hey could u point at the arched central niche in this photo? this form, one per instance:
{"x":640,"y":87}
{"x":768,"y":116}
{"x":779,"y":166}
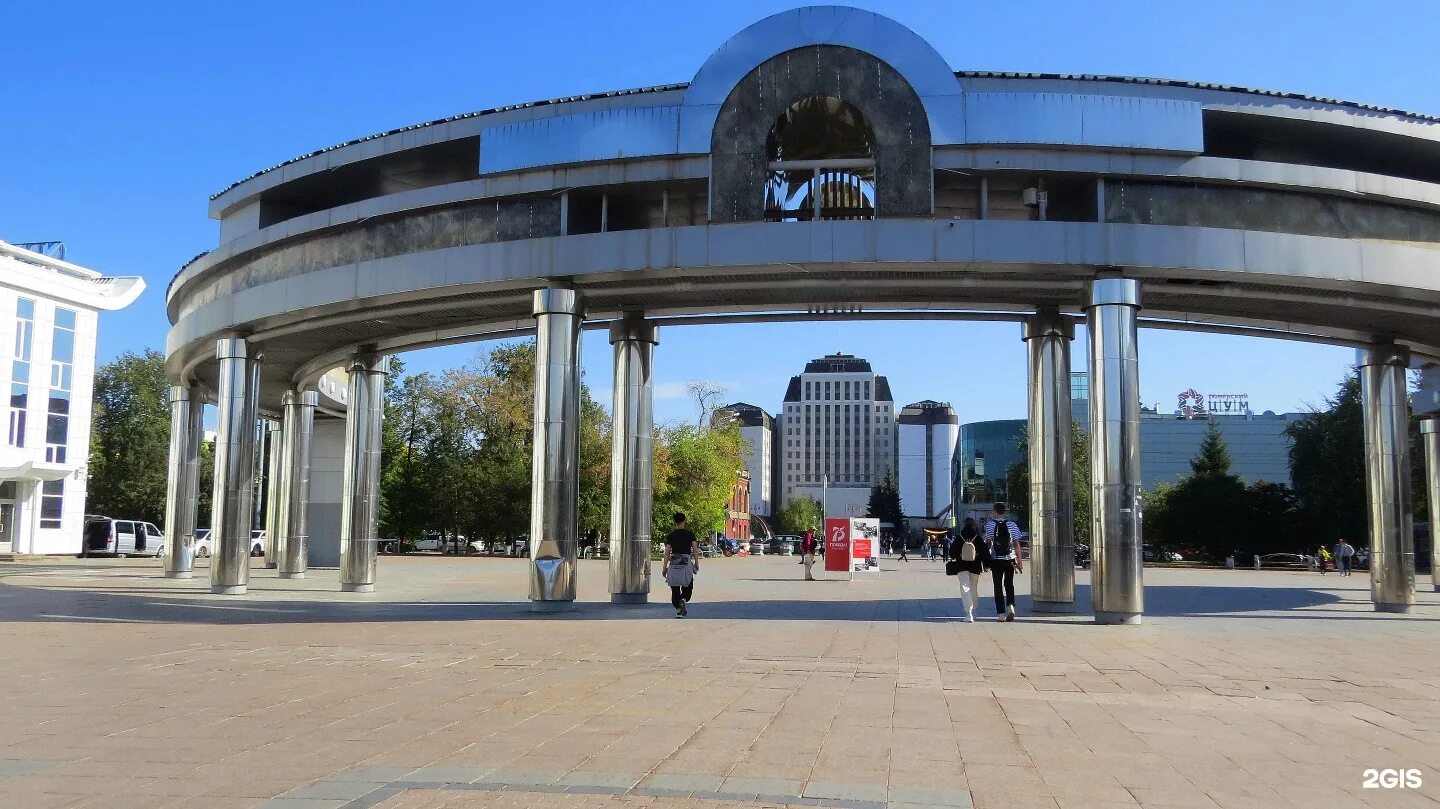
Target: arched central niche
{"x":820,"y":163}
{"x":847,"y":124}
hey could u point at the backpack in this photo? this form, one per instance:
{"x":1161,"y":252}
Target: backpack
{"x":1002,"y":534}
{"x":967,"y":551}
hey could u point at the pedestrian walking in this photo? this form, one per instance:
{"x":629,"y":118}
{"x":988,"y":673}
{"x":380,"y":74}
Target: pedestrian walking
{"x":1002,"y":537}
{"x":807,"y":554}
{"x":903,"y":549}
{"x":1343,"y":553}
{"x":966,"y":558}
{"x":680,"y":565}
{"x":1323,"y":556}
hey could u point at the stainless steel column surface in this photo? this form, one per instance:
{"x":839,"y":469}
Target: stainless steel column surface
{"x":1385,"y":407}
{"x":360,"y":498}
{"x":182,"y":484}
{"x":555,"y":466}
{"x":290,"y":556}
{"x":631,"y":459}
{"x":1430,"y":437}
{"x":1047,"y":338}
{"x":238,"y":402}
{"x":1116,"y":567}
{"x":274,"y":448}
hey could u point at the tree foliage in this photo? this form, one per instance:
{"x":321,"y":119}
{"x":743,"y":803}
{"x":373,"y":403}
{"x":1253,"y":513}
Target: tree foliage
{"x":885,"y":501}
{"x":1327,"y":466}
{"x":800,"y":514}
{"x":130,"y":441}
{"x":456,"y":451}
{"x":695,"y":471}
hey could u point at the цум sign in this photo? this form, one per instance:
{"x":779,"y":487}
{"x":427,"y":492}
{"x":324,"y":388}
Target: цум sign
{"x":1191,"y":403}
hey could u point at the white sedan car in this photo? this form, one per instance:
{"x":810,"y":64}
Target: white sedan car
{"x":202,"y":543}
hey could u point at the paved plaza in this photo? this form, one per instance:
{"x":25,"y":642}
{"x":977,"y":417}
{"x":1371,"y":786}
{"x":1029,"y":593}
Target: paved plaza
{"x":1242,"y":689}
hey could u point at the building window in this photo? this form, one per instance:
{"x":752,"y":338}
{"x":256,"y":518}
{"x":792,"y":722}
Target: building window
{"x":62,"y":365}
{"x":52,"y":501}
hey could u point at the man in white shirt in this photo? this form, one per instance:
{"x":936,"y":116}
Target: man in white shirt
{"x":1002,"y":536}
{"x":1343,"y":551}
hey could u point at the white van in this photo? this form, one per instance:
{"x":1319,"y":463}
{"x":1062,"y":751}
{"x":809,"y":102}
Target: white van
{"x":122,"y":538}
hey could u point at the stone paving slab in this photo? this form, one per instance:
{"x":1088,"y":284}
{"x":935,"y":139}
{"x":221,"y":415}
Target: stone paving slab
{"x":1242,"y":689}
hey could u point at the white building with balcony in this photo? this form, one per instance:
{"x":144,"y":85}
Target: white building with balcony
{"x":48,"y":313}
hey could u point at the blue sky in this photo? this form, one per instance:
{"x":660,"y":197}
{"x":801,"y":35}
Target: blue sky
{"x":118,"y":121}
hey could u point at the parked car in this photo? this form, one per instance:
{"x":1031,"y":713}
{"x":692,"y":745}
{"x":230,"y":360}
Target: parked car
{"x":122,"y":538}
{"x":1150,"y":554}
{"x":202,"y":543}
{"x":757,"y":547}
{"x":1285,"y":560}
{"x":787,"y":544}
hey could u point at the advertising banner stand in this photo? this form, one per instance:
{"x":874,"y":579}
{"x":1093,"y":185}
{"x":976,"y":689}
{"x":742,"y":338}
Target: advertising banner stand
{"x":852,"y":546}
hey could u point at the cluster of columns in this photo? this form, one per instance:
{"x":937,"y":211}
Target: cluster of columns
{"x":289,"y":441}
{"x":554,"y":520}
{"x":1116,"y":591}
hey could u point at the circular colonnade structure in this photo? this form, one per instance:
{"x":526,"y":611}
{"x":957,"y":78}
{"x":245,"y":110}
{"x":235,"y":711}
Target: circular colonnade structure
{"x":824,"y":163}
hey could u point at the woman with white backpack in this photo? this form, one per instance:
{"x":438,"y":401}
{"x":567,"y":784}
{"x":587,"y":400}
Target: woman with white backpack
{"x":966,"y":562}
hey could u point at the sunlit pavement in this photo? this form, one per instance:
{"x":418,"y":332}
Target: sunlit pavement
{"x":1242,"y":689}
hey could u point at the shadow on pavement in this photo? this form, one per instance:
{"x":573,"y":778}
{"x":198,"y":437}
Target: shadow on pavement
{"x":129,"y":604}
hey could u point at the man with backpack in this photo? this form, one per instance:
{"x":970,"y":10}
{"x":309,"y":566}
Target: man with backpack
{"x":1002,"y":536}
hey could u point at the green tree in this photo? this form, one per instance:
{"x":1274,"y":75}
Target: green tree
{"x":695,"y":472}
{"x":1213,"y":459}
{"x":130,"y":440}
{"x":1327,"y":467}
{"x":798,"y":515}
{"x":885,"y":502}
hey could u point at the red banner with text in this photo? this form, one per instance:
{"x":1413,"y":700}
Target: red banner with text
{"x":837,"y":544}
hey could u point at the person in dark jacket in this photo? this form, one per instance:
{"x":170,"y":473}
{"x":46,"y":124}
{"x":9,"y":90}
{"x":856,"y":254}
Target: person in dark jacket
{"x":968,"y":550}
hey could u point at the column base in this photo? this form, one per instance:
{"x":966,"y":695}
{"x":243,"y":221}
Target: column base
{"x":552,"y":606}
{"x":1114,"y":618}
{"x":629,"y":598}
{"x":287,"y":575}
{"x":347,"y":587}
{"x":1395,"y":608}
{"x":228,"y":589}
{"x":179,"y":574}
{"x":270,"y":565}
{"x":1052,"y":606}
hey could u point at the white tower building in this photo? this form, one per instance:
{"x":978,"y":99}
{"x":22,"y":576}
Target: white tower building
{"x":758,"y":429}
{"x":928,"y":432}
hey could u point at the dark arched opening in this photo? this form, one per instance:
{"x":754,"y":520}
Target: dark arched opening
{"x":820,"y":163}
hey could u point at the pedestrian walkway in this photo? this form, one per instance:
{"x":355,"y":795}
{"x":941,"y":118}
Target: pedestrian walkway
{"x":1242,"y":689}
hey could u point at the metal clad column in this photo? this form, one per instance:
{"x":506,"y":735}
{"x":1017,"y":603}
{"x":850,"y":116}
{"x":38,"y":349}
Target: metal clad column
{"x":290,"y":556}
{"x":238,"y":402}
{"x":274,"y":447}
{"x":183,"y":483}
{"x":1116,"y":569}
{"x":631,"y":460}
{"x":360,"y":497}
{"x":1430,"y":436}
{"x":555,"y":467}
{"x":1047,"y":337}
{"x":1386,"y":408}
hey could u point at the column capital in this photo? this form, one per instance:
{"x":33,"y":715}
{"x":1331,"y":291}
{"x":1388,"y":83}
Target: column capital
{"x":184,"y":393}
{"x":557,"y":301}
{"x":236,"y":348}
{"x":1114,"y":291}
{"x":1430,"y":424}
{"x":368,"y":362}
{"x":1384,"y":354}
{"x":634,"y":328}
{"x":1047,"y":322}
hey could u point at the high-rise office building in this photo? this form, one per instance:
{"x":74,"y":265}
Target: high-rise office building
{"x":758,"y":429}
{"x":836,"y":433}
{"x":927,"y":432}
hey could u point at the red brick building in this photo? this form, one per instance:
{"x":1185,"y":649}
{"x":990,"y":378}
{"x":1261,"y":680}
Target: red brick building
{"x":737,"y":517}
